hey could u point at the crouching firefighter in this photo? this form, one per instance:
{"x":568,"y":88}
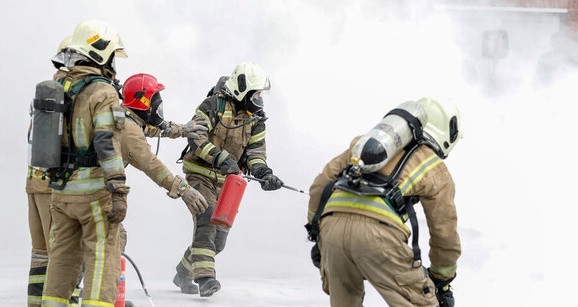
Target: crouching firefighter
{"x":360,"y":203}
{"x":89,"y":192}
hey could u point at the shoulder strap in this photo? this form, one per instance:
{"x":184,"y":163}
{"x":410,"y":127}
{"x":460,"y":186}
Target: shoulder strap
{"x":313,"y":229}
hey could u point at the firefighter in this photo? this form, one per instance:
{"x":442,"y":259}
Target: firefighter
{"x":39,"y":198}
{"x":89,"y":194}
{"x":235,"y":139}
{"x":364,"y":237}
{"x":143,"y":105}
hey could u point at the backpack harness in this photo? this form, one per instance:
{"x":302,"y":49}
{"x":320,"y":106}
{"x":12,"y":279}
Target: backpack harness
{"x":353,"y":180}
{"x":71,"y":158}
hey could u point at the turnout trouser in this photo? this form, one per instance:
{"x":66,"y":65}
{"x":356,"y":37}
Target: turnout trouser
{"x":39,"y":224}
{"x":208,"y":240}
{"x":355,"y":248}
{"x":80,"y":232}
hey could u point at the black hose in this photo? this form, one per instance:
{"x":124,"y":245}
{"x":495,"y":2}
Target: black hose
{"x":137,"y":273}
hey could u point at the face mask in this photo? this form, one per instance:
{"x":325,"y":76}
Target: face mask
{"x":255,"y":103}
{"x":156,"y":117}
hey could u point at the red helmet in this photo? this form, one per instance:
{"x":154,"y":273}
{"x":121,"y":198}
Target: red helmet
{"x":138,"y":90}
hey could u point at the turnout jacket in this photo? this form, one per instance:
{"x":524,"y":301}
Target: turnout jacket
{"x":136,"y":151}
{"x":97,"y":119}
{"x":233,"y":130}
{"x":424,"y":175}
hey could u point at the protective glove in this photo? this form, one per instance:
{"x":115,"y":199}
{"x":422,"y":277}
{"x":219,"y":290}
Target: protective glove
{"x":227,"y":164}
{"x":271,"y":182}
{"x":444,"y":292}
{"x":316,"y":255}
{"x":194,"y":128}
{"x":119,"y":200}
{"x":195,"y":201}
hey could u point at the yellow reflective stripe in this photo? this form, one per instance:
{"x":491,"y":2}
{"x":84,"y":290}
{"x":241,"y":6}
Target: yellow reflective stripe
{"x":81,"y":186}
{"x":203,"y":252}
{"x":113,"y":165}
{"x":197,"y":169}
{"x":228,"y":114}
{"x":36,"y":279}
{"x":444,"y":271}
{"x":206,"y":149}
{"x":252,"y":162}
{"x":310,"y":214}
{"x":369,"y":203}
{"x":81,"y":138}
{"x":95,"y":303}
{"x":52,"y":301}
{"x":36,"y":173}
{"x":34,"y":300}
{"x":162,"y":176}
{"x":99,"y":249}
{"x":417,"y":174}
{"x":204,"y":116}
{"x":257,"y":137}
{"x":187,"y":265}
{"x":103,"y":119}
{"x":203,"y":265}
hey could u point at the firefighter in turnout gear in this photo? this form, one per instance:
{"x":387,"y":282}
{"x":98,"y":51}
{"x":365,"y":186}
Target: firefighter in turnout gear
{"x":359,"y":231}
{"x":143,"y":105}
{"x":235,"y":140}
{"x":89,"y":191}
{"x":39,"y":199}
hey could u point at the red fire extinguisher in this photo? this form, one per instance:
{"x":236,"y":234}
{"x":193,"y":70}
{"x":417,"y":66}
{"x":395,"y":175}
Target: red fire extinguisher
{"x":120,"y":296}
{"x":229,"y":200}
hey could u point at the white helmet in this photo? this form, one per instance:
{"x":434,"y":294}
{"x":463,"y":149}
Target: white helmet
{"x":247,"y":77}
{"x":443,"y":128}
{"x":59,"y":59}
{"x":96,"y":40}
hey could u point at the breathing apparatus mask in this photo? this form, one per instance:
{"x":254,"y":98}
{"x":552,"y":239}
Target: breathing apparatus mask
{"x":153,"y":116}
{"x":254,"y":102}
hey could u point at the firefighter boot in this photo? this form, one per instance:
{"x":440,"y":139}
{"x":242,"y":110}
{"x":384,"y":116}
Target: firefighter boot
{"x":186,"y":284}
{"x":208,"y":286}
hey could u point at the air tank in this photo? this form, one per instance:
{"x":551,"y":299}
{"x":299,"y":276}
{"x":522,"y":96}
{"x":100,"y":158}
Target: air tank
{"x":374,"y":149}
{"x":47,"y":125}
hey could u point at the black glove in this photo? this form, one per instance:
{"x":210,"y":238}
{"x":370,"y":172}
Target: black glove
{"x":316,"y":255}
{"x":226,"y":163}
{"x":444,"y":292}
{"x":271,"y":183}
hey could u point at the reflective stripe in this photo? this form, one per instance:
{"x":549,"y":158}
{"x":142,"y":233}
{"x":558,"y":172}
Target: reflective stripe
{"x":203,"y":265}
{"x":99,"y":250}
{"x":228,"y":114}
{"x":81,"y":186}
{"x":204,"y":116}
{"x":162,"y":176}
{"x":203,"y":252}
{"x":257,"y":137}
{"x":36,"y":279}
{"x":375,"y":204}
{"x":34,"y":300}
{"x":103,"y":119}
{"x":206,"y":150}
{"x":197,"y":169}
{"x":444,"y":271}
{"x":95,"y":303}
{"x":417,"y":174}
{"x":52,"y":301}
{"x":113,"y":165}
{"x":252,"y":162}
{"x":81,"y":138}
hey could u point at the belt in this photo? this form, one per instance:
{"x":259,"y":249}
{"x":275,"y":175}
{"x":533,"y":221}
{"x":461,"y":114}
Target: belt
{"x":197,"y":169}
{"x":36,"y":173}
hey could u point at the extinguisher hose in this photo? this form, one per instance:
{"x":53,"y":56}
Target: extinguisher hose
{"x":139,"y":276}
{"x":284,"y":186}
